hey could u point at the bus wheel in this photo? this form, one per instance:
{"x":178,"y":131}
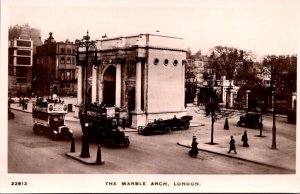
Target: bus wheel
{"x":70,"y":136}
{"x":36,"y":129}
{"x":54,"y":136}
{"x":126,"y":143}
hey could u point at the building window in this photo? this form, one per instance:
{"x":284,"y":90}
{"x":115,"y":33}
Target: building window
{"x":175,"y":63}
{"x":69,"y":51}
{"x":68,"y":60}
{"x":24,"y":52}
{"x":37,"y":61}
{"x":62,"y":75}
{"x":23,"y":60}
{"x":62,"y":50}
{"x":42,"y":61}
{"x":23,"y":43}
{"x":62,"y":60}
{"x":68,"y":75}
{"x":166,"y":61}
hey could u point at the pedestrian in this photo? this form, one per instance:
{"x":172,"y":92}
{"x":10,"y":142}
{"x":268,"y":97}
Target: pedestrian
{"x":232,"y":145}
{"x":9,"y":102}
{"x":245,"y":139}
{"x":23,"y":104}
{"x":226,"y":125}
{"x":194,"y":151}
{"x":26,"y":104}
{"x":123,"y":124}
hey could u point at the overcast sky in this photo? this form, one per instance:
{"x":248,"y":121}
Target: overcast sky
{"x":264,"y":27}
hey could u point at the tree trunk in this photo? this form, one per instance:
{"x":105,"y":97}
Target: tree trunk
{"x":212,"y":130}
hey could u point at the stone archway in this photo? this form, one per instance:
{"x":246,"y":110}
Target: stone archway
{"x":109,"y":86}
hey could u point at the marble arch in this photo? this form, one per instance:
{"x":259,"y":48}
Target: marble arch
{"x":149,"y":76}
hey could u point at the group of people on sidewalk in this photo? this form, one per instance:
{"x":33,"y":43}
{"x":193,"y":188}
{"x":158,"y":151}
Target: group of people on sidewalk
{"x":194,"y":151}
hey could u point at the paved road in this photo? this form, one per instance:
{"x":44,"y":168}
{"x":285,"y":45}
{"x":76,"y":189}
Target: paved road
{"x":158,"y":154}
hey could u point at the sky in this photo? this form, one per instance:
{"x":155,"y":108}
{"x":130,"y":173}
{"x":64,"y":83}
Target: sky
{"x":263,"y":27}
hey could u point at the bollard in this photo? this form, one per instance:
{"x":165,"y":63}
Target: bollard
{"x":98,"y":159}
{"x":72,"y":145}
{"x":85,"y":153}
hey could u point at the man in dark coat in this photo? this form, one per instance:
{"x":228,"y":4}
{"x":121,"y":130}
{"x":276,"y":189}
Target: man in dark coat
{"x":194,"y":151}
{"x":232,"y":145}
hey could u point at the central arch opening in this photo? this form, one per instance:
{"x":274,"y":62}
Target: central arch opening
{"x":109,"y":86}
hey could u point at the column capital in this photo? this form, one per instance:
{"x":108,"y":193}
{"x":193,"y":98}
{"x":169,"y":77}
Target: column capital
{"x":120,"y":60}
{"x":141,"y":59}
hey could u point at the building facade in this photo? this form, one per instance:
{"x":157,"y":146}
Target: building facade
{"x":22,"y":44}
{"x":144,"y":75}
{"x":55,"y":68}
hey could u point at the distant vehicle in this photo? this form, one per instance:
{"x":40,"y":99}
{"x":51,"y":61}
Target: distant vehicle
{"x":17,"y":99}
{"x":179,"y":124}
{"x":49,"y":117}
{"x":250,"y":119}
{"x":101,"y":124}
{"x":165,"y":126}
{"x":291,"y":116}
{"x":10,"y":115}
{"x":156,"y":127}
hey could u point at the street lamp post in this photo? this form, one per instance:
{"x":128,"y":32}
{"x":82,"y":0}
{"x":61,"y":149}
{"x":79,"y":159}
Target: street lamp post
{"x":273,"y":90}
{"x":51,"y":83}
{"x":86,"y":54}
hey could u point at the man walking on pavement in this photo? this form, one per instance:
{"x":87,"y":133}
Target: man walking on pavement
{"x":232,"y":145}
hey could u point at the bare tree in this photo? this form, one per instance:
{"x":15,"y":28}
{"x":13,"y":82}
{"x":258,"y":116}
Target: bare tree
{"x":214,"y":110}
{"x":228,"y":61}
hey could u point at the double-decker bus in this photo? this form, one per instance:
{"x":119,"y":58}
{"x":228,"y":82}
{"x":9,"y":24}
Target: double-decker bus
{"x":49,"y":118}
{"x":100,"y":123}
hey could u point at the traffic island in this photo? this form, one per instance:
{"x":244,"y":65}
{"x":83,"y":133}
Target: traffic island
{"x":84,"y":156}
{"x":90,"y":160}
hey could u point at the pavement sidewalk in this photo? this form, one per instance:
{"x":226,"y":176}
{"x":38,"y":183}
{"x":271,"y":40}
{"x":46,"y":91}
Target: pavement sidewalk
{"x":259,"y":151}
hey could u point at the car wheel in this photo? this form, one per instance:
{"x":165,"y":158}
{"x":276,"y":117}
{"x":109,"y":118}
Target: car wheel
{"x":111,"y":143}
{"x":186,"y":126}
{"x":36,"y":129}
{"x":139,"y":131}
{"x":54,"y":136}
{"x":167,"y":130}
{"x":126,"y":143}
{"x":70,"y":136}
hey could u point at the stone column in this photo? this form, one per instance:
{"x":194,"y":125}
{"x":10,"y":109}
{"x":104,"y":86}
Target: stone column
{"x":94,"y":83}
{"x":118,"y":84}
{"x":229,"y":98}
{"x":245,"y":101}
{"x":100,"y":95}
{"x":138,"y":85}
{"x":183,"y":85}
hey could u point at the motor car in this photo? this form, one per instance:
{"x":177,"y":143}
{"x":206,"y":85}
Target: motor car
{"x":251,"y":120}
{"x":181,"y":123}
{"x":17,"y":99}
{"x":156,"y":127}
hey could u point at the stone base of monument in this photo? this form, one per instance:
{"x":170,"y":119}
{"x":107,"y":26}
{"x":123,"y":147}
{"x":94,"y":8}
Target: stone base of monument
{"x":86,"y":160}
